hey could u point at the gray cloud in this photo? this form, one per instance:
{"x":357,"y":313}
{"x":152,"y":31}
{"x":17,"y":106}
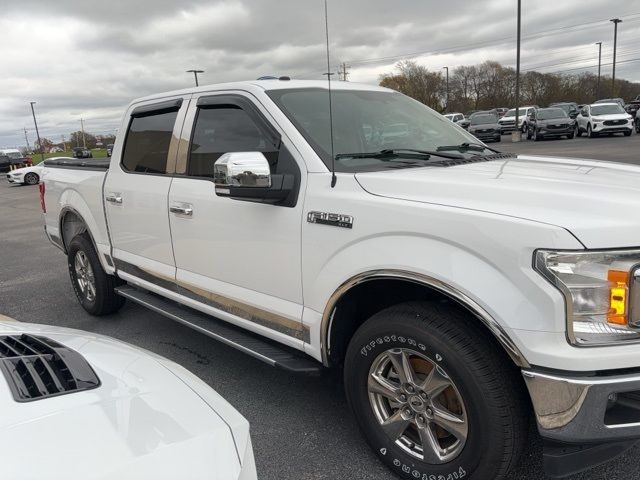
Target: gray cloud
{"x":89,"y":58}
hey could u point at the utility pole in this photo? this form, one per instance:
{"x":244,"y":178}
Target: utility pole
{"x":599,"y":66}
{"x":446,"y":106}
{"x":33,"y":112}
{"x":343,"y":71}
{"x":516,"y":135}
{"x":26,"y":139}
{"x":84,"y":140}
{"x":615,"y":21}
{"x":195,"y":75}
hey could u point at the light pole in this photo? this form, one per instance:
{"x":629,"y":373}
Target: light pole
{"x":84,"y":140}
{"x":195,"y":74}
{"x":615,"y":21}
{"x":33,"y":112}
{"x":446,"y":107}
{"x":516,"y":135}
{"x":599,"y":65}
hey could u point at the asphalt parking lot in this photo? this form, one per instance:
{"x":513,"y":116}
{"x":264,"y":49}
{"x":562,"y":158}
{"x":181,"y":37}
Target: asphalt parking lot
{"x":301,"y":426}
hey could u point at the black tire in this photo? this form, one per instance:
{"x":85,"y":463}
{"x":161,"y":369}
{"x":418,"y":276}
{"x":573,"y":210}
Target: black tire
{"x":570,"y":136}
{"x":590,"y":132}
{"x":578,"y":132}
{"x":536,"y":136}
{"x":105,"y":300}
{"x":529,"y":135}
{"x":496,"y":405}
{"x":31,"y":178}
{"x":628,"y":133}
{"x":637,"y":126}
{"x":498,"y":139}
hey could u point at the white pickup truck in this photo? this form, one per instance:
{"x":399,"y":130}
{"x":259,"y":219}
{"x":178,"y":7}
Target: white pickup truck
{"x":462,"y":290}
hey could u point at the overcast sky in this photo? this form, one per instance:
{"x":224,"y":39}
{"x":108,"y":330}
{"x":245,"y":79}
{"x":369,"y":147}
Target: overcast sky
{"x":89,"y":58}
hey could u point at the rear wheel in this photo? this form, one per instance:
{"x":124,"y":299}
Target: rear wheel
{"x":31,"y":178}
{"x":94,"y":289}
{"x":432,"y":395}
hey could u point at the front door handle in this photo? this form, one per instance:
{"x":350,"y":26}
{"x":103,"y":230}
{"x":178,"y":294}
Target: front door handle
{"x":114,"y":198}
{"x":182,"y":209}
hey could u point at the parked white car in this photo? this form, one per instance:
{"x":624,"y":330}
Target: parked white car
{"x":29,"y":175}
{"x":508,"y":121}
{"x":463,"y":290}
{"x":78,"y":405}
{"x":603,"y":118}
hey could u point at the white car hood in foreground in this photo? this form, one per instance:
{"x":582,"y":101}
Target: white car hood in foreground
{"x":597,"y":201}
{"x":149,"y":418}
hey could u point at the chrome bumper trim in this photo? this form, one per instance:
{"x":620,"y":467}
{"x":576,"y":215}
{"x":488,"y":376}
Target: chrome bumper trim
{"x":572,"y":409}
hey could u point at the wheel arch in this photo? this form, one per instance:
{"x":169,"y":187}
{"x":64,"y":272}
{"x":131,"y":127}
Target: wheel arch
{"x":72,"y":224}
{"x":391,"y":287}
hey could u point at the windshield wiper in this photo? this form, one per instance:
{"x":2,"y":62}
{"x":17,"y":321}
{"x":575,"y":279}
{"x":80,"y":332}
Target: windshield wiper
{"x":465,"y":147}
{"x":400,"y":152}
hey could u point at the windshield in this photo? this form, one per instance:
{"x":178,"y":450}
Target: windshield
{"x":480,"y":119}
{"x":512,"y":112}
{"x":549,"y":113}
{"x":606,"y":109}
{"x":366,"y":122}
{"x":13,"y":155}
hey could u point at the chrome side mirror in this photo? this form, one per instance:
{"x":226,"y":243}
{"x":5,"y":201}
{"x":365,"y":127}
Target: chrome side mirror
{"x":241,"y":169}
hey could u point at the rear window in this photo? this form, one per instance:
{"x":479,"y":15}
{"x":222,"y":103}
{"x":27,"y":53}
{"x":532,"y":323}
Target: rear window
{"x":147,"y":143}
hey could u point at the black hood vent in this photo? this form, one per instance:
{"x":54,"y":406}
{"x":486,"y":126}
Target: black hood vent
{"x":37,"y":367}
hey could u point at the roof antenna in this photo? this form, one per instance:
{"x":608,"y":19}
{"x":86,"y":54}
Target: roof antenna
{"x":333,"y":158}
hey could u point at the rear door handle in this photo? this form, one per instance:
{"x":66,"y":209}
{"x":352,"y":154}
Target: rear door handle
{"x":114,"y":198}
{"x":182,"y":209}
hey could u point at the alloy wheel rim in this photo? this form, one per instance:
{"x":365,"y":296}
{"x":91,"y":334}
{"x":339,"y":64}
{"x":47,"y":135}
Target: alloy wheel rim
{"x":31,"y":179}
{"x":84,"y":276}
{"x":417,"y":405}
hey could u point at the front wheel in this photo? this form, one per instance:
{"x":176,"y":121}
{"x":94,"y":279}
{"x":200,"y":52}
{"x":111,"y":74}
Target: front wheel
{"x":94,"y":289}
{"x":590,"y":132}
{"x":31,"y":178}
{"x":628,"y":133}
{"x":432,"y":395}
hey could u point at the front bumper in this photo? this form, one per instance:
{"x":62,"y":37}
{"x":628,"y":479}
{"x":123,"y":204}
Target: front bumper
{"x":14,"y":179}
{"x":489,"y":136}
{"x":601,"y":128}
{"x":556,"y":132}
{"x":585,"y":409}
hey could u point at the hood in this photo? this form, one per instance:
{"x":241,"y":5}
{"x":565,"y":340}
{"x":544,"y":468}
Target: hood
{"x":483,"y":125}
{"x":611,"y":116}
{"x":555,"y":121}
{"x":143,"y":421}
{"x":597,"y":201}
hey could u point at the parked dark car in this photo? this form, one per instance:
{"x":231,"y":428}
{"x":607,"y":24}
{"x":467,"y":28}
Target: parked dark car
{"x":81,"y":152}
{"x":550,"y":122}
{"x":632,"y":108}
{"x":109,"y":149}
{"x":485,"y":127}
{"x":570,"y":108}
{"x":5,"y":163}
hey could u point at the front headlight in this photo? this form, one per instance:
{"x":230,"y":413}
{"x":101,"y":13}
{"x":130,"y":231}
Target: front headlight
{"x":601,"y":291}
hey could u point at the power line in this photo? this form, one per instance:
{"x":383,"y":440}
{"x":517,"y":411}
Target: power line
{"x":476,"y":45}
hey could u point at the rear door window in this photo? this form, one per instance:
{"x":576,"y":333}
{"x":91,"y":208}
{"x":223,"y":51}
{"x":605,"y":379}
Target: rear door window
{"x":147,"y":143}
